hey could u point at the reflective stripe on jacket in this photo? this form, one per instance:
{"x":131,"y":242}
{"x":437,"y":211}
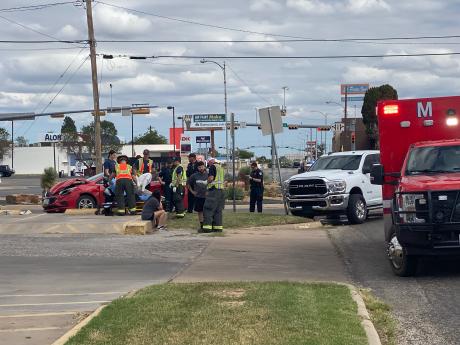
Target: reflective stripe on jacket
{"x":123,"y":171}
{"x":183,"y":178}
{"x":141,"y":166}
{"x":219,"y":179}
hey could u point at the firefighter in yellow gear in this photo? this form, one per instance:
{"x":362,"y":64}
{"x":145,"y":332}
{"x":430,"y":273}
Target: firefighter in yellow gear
{"x":144,"y":164}
{"x":179,"y":181}
{"x":124,"y":184}
{"x":215,"y":198}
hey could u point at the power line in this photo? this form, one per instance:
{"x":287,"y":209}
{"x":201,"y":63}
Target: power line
{"x":55,"y":40}
{"x":38,"y":49}
{"x":299,"y":38}
{"x":247,"y":85}
{"x":36,"y":7}
{"x":278,"y":57}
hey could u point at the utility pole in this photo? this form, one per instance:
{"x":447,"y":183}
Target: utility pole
{"x":12,"y":144}
{"x":97,"y":119}
{"x":232,"y":131}
{"x":284,"y":98}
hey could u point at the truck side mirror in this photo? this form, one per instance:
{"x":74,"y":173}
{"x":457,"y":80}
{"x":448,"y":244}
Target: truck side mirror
{"x":377,"y":174}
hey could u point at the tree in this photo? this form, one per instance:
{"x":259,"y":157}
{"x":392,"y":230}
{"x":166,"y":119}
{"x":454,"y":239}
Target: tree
{"x":4,"y":142}
{"x":22,"y":141}
{"x":372,"y":96}
{"x":151,"y":137}
{"x":244,"y":154}
{"x":70,"y":137}
{"x":109,"y":138}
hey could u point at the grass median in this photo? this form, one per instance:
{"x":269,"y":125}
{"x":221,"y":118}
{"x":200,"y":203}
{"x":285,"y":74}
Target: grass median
{"x":229,"y":313}
{"x":237,"y":220}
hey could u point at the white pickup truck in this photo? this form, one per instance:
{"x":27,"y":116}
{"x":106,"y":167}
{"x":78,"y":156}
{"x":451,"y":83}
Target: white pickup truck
{"x":337,"y":184}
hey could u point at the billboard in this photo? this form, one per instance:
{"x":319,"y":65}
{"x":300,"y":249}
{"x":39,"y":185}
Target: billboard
{"x":203,"y":139}
{"x":51,"y":138}
{"x":208,"y":121}
{"x":185,"y":144}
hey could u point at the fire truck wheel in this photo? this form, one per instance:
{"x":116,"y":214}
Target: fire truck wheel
{"x":357,"y":209}
{"x":403,"y":265}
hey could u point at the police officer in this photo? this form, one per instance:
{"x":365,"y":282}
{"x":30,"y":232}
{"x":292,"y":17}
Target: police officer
{"x":256,"y":180}
{"x":215,"y":198}
{"x":192,"y":168}
{"x":179,"y":181}
{"x":124,"y":184}
{"x":144,"y":164}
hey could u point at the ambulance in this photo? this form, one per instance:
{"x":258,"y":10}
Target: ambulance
{"x":420,"y":173}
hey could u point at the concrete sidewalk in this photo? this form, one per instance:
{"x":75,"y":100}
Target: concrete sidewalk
{"x":268,"y":254}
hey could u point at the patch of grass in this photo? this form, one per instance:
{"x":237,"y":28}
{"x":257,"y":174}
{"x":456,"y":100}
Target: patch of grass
{"x":236,"y":220}
{"x":229,"y":313}
{"x":380,"y":314}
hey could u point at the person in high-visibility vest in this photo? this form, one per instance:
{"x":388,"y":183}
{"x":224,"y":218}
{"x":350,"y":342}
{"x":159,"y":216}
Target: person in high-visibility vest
{"x":144,"y":164}
{"x":215,"y":198}
{"x":124,"y":184}
{"x":179,"y":181}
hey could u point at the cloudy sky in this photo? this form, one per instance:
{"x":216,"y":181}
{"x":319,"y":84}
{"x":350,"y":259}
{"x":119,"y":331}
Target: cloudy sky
{"x":32,"y":77}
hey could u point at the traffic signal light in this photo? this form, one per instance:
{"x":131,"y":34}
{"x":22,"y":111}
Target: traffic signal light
{"x":324,"y":129}
{"x":353,"y":137}
{"x":293,"y":127}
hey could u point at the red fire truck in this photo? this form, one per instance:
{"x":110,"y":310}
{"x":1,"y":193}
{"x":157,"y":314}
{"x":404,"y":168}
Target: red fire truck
{"x":420,"y":174}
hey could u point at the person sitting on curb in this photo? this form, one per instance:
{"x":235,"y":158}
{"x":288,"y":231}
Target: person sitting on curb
{"x":153,"y":210}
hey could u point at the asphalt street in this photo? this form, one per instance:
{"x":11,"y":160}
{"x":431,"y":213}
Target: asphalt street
{"x":49,"y":282}
{"x":427,"y":306}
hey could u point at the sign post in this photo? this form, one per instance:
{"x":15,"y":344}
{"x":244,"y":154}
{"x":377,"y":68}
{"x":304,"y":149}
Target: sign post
{"x":53,"y":138}
{"x":271,"y":116}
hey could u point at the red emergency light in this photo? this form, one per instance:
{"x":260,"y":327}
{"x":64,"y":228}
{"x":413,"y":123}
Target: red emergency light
{"x":391,"y":109}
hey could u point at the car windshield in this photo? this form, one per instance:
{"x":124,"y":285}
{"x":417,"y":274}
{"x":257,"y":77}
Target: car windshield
{"x":95,"y":177}
{"x":343,"y":162}
{"x":435,"y":159}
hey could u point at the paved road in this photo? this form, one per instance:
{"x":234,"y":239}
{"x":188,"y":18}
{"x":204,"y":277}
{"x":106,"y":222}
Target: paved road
{"x":427,"y":306}
{"x":48,"y":282}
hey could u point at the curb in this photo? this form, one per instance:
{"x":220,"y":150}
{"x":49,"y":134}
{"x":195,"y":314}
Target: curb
{"x":371,"y":333}
{"x":73,"y":331}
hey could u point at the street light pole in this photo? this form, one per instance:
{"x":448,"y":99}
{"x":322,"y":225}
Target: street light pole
{"x":325,"y":135}
{"x":284,"y":97}
{"x":224,"y":71}
{"x":174,"y":126}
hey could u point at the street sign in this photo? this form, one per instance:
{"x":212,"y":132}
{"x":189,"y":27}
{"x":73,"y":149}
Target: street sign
{"x":52,"y":138}
{"x":353,"y":89}
{"x":243,"y":124}
{"x":203,"y":139}
{"x":339,"y":127}
{"x":275,"y":114}
{"x":285,"y":125}
{"x":208,"y":121}
{"x":353,"y":99}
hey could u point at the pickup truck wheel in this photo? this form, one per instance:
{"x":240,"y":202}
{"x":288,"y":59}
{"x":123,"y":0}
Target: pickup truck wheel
{"x":357,"y":209}
{"x":403,"y":265}
{"x":86,"y":201}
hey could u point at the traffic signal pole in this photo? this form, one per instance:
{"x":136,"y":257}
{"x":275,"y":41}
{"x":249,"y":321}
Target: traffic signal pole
{"x":97,"y":119}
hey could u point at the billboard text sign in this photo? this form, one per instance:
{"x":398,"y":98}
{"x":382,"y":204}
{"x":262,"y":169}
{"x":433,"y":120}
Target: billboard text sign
{"x":52,"y":138}
{"x":353,"y":89}
{"x":208,"y":121}
{"x":203,"y":139}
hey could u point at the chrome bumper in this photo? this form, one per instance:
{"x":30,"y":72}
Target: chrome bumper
{"x":333,"y":202}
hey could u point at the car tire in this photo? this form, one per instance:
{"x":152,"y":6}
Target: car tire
{"x":357,"y":209}
{"x":86,"y":201}
{"x":402,"y":265}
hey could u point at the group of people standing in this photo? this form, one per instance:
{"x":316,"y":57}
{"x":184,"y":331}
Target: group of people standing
{"x":203,"y":184}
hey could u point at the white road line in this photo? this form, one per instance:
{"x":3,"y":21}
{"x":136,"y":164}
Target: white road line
{"x":28,"y":329}
{"x":54,"y":303}
{"x":27,"y":218}
{"x":66,"y":294}
{"x":37,"y":315}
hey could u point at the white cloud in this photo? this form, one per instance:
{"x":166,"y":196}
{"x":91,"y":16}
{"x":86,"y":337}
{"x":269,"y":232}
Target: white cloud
{"x":311,"y":6}
{"x":363,"y":6}
{"x":119,"y":22}
{"x":147,"y":83}
{"x":265,"y":5}
{"x":69,"y":32}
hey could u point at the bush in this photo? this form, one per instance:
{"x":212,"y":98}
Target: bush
{"x":239,"y":193}
{"x":48,"y":179}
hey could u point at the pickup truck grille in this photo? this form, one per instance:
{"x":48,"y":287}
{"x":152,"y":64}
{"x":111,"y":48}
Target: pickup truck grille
{"x":307,"y":187}
{"x":445,"y":207}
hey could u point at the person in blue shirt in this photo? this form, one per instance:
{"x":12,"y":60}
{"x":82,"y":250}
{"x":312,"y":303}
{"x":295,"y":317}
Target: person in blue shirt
{"x":109,"y":164}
